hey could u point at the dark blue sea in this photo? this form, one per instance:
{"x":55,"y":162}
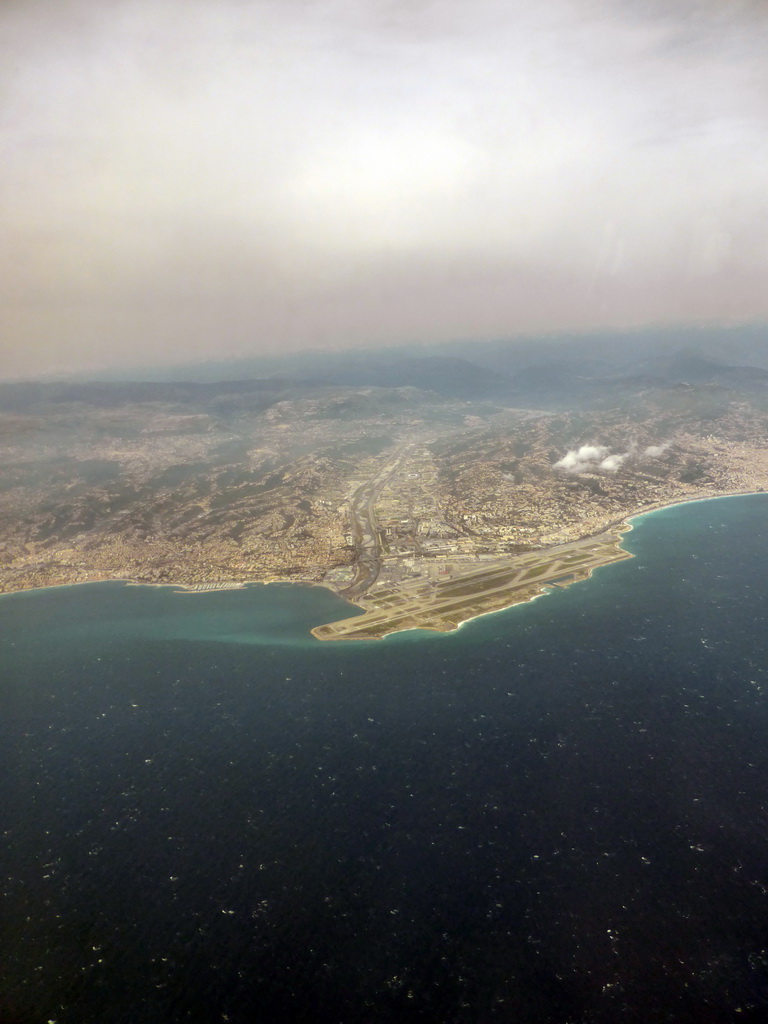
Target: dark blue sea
{"x":558,"y":813}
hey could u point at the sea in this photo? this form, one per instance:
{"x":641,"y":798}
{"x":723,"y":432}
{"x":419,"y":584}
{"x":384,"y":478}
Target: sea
{"x":557,"y":813}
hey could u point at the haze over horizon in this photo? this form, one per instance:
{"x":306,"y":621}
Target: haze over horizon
{"x":207,"y":179}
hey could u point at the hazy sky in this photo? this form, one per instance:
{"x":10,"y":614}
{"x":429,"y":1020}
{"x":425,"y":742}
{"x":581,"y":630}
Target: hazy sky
{"x":195,"y":178}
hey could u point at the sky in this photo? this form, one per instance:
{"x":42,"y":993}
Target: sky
{"x":196,"y":179}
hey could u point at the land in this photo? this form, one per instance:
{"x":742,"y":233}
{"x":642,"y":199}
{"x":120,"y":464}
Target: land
{"x":449,"y":597}
{"x":421,"y":507}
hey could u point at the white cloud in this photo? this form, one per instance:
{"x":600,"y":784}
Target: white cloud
{"x":614,"y":462}
{"x":592,"y":458}
{"x":655,"y":451}
{"x":580,"y":460}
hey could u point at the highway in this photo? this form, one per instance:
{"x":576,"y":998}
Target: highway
{"x":365,"y":528}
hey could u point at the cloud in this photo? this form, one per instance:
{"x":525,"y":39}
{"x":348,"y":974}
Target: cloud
{"x":592,"y":458}
{"x":655,"y":451}
{"x":584,"y":459}
{"x":614,"y":462}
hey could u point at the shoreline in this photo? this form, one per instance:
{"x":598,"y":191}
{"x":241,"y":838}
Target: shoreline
{"x":689,"y":501}
{"x":472,"y":618}
{"x":181,"y":588}
{"x":627,"y":528}
{"x":620,"y":526}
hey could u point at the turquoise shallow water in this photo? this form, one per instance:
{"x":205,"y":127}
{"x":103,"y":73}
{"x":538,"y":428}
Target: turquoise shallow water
{"x":556,"y":813}
{"x":276,"y":614}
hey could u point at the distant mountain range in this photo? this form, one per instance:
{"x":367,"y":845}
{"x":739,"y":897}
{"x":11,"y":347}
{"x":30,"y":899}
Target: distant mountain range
{"x":550,"y":372}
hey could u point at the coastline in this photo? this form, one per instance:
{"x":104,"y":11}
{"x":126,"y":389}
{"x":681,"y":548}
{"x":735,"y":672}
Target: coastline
{"x":619,"y":527}
{"x":181,"y":588}
{"x":472,"y":618}
{"x":662,"y":506}
{"x":686,"y":499}
{"x":626,"y":527}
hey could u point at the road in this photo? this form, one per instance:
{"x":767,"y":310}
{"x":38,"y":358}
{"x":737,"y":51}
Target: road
{"x":365,"y":529}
